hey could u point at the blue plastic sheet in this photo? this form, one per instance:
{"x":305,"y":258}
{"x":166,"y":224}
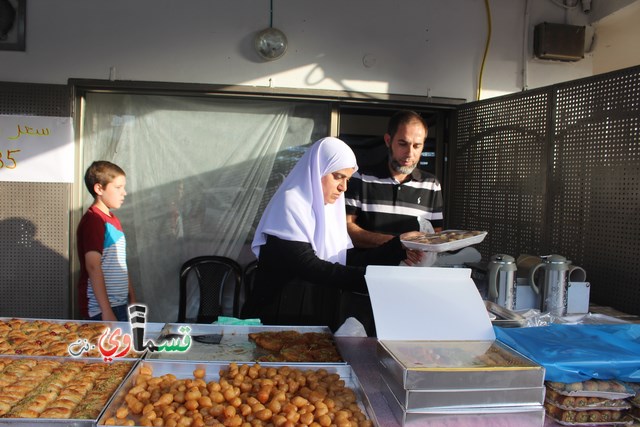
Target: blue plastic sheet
{"x":572,"y":353}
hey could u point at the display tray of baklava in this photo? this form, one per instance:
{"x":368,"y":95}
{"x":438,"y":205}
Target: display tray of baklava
{"x":43,"y":390}
{"x":64,"y":338}
{"x":170,"y":392}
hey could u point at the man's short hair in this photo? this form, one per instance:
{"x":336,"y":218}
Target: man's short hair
{"x":404,"y":117}
{"x":101,"y":172}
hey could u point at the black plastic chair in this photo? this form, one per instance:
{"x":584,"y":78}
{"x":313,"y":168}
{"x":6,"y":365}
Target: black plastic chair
{"x":248,"y":275}
{"x":212,"y":274}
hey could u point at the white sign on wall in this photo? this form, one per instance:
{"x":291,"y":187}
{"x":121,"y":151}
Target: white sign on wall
{"x":36,"y":149}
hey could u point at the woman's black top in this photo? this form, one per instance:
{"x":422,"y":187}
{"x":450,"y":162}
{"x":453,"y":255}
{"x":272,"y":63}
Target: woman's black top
{"x":294,"y":287}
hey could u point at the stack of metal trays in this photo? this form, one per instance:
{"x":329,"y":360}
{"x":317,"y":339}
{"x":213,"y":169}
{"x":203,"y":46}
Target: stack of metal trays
{"x":483,"y":382}
{"x":226,"y":343}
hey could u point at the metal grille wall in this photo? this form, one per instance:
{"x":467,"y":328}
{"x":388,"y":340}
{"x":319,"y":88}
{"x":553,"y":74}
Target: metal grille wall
{"x":498,"y":173}
{"x":595,"y":184}
{"x":557,"y":170}
{"x":34,"y":221}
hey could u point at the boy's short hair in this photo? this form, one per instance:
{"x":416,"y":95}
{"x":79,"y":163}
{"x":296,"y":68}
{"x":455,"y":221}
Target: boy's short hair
{"x":101,"y":172}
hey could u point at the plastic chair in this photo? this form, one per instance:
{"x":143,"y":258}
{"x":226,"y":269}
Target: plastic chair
{"x":212,"y":274}
{"x":248,"y":276}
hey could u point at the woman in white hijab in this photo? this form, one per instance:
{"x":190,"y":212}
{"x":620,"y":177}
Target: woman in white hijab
{"x":302,"y":243}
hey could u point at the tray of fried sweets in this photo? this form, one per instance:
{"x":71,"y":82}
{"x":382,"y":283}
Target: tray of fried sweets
{"x":185,"y":393}
{"x":246,"y":343}
{"x":443,"y":241}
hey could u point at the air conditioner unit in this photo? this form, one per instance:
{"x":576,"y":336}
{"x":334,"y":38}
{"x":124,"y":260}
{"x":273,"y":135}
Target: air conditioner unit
{"x":558,"y":42}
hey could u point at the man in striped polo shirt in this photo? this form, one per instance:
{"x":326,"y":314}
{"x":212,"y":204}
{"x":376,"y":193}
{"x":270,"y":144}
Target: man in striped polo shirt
{"x":395,"y":197}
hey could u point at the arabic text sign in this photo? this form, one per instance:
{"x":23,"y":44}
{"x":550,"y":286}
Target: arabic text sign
{"x":36,"y":149}
{"x":115,"y":344}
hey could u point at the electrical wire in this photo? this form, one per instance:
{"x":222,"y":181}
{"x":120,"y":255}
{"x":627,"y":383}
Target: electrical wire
{"x":486,"y":48}
{"x":271,"y":15}
{"x":525,"y":46}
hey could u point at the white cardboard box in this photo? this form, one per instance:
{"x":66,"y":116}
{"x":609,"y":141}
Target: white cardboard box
{"x":427,"y":303}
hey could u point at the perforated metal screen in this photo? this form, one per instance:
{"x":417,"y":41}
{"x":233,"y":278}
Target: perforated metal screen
{"x":34,"y":221}
{"x":595,"y":184}
{"x":557,"y":170}
{"x":498,"y":184}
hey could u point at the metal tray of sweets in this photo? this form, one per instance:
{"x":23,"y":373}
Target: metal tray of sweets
{"x":56,"y":337}
{"x":63,"y":374}
{"x":521,"y":416}
{"x":457,"y":365}
{"x":210,"y":371}
{"x":234,"y":344}
{"x":468,"y":397}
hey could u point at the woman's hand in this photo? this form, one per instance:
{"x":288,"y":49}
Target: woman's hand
{"x":413,"y":256}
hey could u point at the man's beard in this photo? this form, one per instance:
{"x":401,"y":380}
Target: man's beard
{"x":404,"y":170}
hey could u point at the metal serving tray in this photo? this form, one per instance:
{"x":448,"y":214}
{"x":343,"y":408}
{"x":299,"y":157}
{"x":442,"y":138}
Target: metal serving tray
{"x":184,"y":369}
{"x":234,"y":345}
{"x":504,"y":317}
{"x":125,"y":327}
{"x":446,"y":246}
{"x":521,"y":416}
{"x":457,"y":365}
{"x":63,"y":422}
{"x":431,"y":399}
{"x":46,"y":422}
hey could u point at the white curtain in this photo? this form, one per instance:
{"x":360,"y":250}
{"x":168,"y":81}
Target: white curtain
{"x":199,"y":172}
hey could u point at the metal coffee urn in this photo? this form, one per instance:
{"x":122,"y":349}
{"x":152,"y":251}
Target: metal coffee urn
{"x":502,"y":281}
{"x":554,"y":291}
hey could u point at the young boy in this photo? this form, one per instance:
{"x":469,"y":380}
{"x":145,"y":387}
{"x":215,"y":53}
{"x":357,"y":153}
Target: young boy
{"x":104,"y":290}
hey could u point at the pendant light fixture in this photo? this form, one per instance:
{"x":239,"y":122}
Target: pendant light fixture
{"x":271,"y":43}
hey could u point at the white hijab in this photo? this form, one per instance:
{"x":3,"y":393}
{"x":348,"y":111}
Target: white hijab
{"x":297,"y":211}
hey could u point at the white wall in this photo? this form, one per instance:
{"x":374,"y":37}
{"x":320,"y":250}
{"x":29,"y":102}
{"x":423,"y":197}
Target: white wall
{"x":420,"y":47}
{"x":618,"y":39}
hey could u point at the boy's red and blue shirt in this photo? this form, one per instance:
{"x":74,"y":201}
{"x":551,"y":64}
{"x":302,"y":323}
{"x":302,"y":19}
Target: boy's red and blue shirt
{"x":102,"y":233}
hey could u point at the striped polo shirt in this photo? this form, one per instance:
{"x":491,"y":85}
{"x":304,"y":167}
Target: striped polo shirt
{"x":382,"y":204}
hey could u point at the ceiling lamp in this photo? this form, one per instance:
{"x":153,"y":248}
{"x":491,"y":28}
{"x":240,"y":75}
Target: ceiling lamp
{"x":271,"y":43}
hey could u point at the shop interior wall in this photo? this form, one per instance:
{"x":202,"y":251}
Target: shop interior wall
{"x":34,"y":221}
{"x":414,"y":47}
{"x":617,"y":35}
{"x":557,"y":171}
